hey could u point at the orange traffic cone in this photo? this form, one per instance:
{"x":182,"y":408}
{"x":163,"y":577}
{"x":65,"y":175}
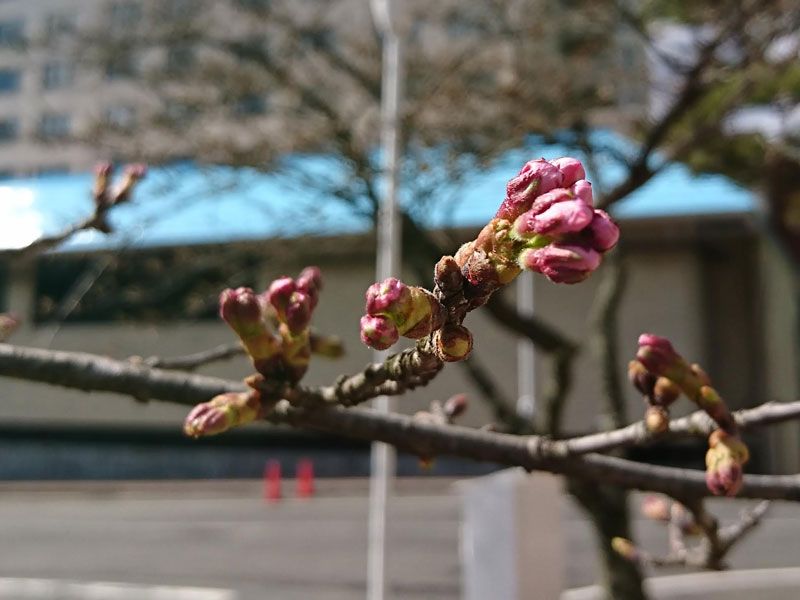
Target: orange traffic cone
{"x":305,"y":478}
{"x":272,"y":481}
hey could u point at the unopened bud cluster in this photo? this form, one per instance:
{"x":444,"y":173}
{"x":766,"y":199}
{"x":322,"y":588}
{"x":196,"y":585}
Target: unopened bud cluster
{"x":547,"y":223}
{"x":274,"y":326}
{"x":661,"y":375}
{"x":395,"y":309}
{"x":107,"y":194}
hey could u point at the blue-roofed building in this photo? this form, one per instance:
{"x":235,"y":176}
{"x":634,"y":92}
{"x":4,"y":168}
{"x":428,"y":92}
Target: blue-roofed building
{"x":701,"y":269}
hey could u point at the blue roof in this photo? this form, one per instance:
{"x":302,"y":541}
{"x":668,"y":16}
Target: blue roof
{"x":192,"y":204}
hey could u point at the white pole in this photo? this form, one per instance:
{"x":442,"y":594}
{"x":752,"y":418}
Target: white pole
{"x":388,"y":265}
{"x":526,"y":375}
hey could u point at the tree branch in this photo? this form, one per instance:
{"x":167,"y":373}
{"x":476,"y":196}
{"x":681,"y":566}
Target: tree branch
{"x":90,"y":372}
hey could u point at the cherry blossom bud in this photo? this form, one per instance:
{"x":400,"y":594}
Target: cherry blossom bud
{"x":571,"y":169}
{"x":222,"y":413}
{"x":378,"y":332}
{"x":130,"y":177}
{"x":298,"y":312}
{"x":8,"y":325}
{"x":665,"y":392}
{"x":536,"y":177}
{"x":241,"y":310}
{"x":726,"y":456}
{"x":583,"y":190}
{"x":656,"y":508}
{"x":569,"y":216}
{"x":603,"y":232}
{"x":659,"y":357}
{"x":453,"y":343}
{"x":456,"y":406}
{"x":642,"y":379}
{"x":391,"y":298}
{"x":279,"y":295}
{"x":102,"y":176}
{"x":310,"y":282}
{"x":561,"y":263}
{"x":548,"y":200}
{"x":656,"y":419}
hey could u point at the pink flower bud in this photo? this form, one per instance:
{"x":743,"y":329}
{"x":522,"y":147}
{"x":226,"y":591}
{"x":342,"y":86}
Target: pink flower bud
{"x":656,"y":508}
{"x":453,"y":343}
{"x":571,"y":169}
{"x":298,"y":312}
{"x":223,"y":412}
{"x":569,"y":216}
{"x":130,"y":177}
{"x":658,"y":356}
{"x":378,"y":332}
{"x":583,"y":189}
{"x":279,"y":295}
{"x":456,"y":406}
{"x":536,"y":177}
{"x":548,"y":199}
{"x":391,"y":298}
{"x":726,"y":456}
{"x":103,"y":169}
{"x":8,"y":324}
{"x":561,"y":263}
{"x":310,"y":282}
{"x":241,"y":309}
{"x":603,"y":232}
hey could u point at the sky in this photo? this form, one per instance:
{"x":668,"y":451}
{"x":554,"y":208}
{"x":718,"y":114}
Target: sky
{"x":190,"y":204}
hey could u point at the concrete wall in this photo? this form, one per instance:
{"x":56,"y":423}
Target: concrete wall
{"x":706,"y":292}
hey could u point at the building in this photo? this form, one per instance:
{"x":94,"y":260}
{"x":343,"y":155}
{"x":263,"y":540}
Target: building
{"x":702,"y":270}
{"x":73,"y":70}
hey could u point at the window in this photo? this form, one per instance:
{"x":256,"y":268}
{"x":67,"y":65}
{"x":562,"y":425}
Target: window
{"x":121,"y":65}
{"x":57,"y":75}
{"x":122,"y":116}
{"x":124,"y":13}
{"x":249,"y":105}
{"x":9,"y":129}
{"x":56,"y":24}
{"x":54,"y":126}
{"x":179,"y":58}
{"x":11,"y":33}
{"x":9,"y":80}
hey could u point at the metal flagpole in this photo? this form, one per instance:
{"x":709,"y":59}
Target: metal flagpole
{"x":526,"y":374}
{"x":388,"y":265}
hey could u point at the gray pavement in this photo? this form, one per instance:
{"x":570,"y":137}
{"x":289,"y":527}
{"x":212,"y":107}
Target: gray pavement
{"x":223,"y":536}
